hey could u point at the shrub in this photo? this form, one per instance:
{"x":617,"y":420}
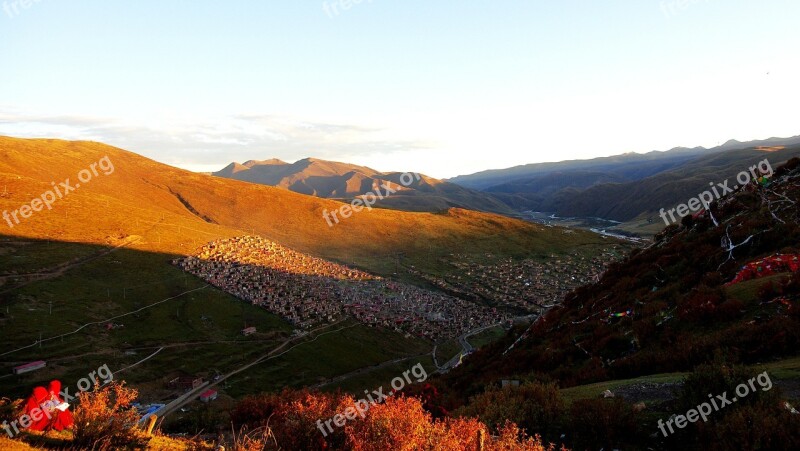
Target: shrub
{"x":715,"y":379}
{"x":603,"y":423}
{"x":399,"y":423}
{"x":202,"y":419}
{"x":513,"y":438}
{"x":257,"y":440}
{"x":730,"y":310}
{"x":105,"y":420}
{"x":10,"y":410}
{"x":292,"y":417}
{"x":402,"y":424}
{"x":757,"y":421}
{"x":767,"y":291}
{"x":793,"y":284}
{"x":534,"y":406}
{"x":700,"y":306}
{"x":764,"y":425}
{"x":788,"y":167}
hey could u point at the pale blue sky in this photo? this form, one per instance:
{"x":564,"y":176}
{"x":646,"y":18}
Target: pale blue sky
{"x":441,"y":87}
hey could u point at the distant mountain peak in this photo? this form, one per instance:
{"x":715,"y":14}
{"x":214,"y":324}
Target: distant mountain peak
{"x":232,"y":169}
{"x":270,"y":162}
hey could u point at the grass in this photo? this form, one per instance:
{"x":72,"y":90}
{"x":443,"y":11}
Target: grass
{"x":595,"y":390}
{"x":102,"y":289}
{"x":381,"y":377}
{"x":747,"y":291}
{"x":21,"y":257}
{"x":14,"y":445}
{"x":330,"y":355}
{"x":210,"y":317}
{"x":788,"y":369}
{"x":63,"y":440}
{"x":487,"y":337}
{"x":447,"y":350}
{"x":642,"y":226}
{"x":781,"y":370}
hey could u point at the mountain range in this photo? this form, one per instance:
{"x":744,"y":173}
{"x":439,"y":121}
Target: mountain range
{"x":343,"y":181}
{"x":624,"y":187}
{"x":627,"y":186}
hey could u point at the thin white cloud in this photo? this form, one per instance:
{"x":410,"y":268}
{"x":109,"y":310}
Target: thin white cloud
{"x":206,"y":143}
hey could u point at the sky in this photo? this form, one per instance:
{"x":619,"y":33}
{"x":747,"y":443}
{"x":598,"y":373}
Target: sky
{"x":443,"y":87}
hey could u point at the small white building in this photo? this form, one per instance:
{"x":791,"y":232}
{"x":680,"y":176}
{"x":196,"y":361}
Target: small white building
{"x":249,"y":331}
{"x":28,"y":367}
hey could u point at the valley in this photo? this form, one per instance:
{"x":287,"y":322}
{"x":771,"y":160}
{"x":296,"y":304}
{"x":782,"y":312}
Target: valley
{"x":93,"y":283}
{"x":399,"y":226}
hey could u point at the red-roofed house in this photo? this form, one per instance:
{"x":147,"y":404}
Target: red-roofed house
{"x":208,"y":395}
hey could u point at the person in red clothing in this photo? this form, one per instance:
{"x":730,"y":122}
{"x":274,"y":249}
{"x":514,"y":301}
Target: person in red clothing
{"x":35,"y":408}
{"x":62,"y":419}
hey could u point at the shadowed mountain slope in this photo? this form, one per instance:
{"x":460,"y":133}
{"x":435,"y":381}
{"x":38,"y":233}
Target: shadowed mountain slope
{"x":677,"y":303}
{"x":625,"y":187}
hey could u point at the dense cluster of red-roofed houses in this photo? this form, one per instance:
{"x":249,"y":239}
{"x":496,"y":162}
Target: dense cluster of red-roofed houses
{"x":308,"y":291}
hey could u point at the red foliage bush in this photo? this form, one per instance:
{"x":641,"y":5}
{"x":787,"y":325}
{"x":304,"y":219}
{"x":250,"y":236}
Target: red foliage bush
{"x":399,"y":423}
{"x":292,"y":416}
{"x":701,"y":305}
{"x":767,"y":291}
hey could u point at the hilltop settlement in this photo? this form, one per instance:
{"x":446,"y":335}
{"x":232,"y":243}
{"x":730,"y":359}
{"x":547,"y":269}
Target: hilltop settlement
{"x":309,"y":291}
